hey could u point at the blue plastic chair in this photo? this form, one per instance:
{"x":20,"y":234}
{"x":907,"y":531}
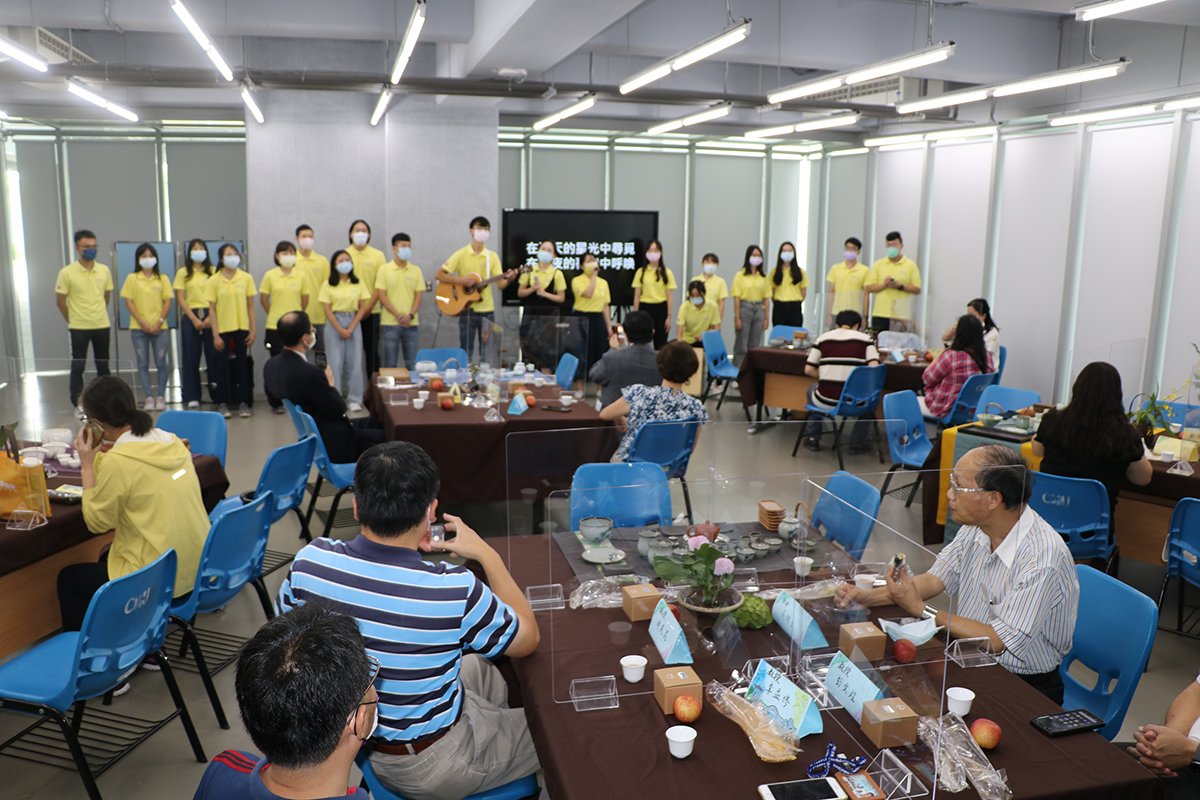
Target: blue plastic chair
{"x":1078,"y":508}
{"x":847,"y":510}
{"x":125,"y":622}
{"x":205,"y":431}
{"x":782,"y":332}
{"x":630,"y":495}
{"x":297,"y":423}
{"x":963,"y":410}
{"x":720,"y":368}
{"x":908,"y":443}
{"x":564,"y":374}
{"x":1008,"y":398}
{"x":1183,"y":552}
{"x":668,"y":443}
{"x":1177,"y":411}
{"x":1003,"y":361}
{"x":859,"y":399}
{"x":1110,"y":613}
{"x":341,"y":476}
{"x":520,"y":789}
{"x":442,"y":356}
{"x":232,"y":557}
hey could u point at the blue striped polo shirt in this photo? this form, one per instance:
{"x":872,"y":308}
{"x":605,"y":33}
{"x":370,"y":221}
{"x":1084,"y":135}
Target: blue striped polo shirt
{"x":417,"y":618}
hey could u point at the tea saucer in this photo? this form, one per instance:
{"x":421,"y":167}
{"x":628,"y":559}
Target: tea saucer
{"x":603,"y":555}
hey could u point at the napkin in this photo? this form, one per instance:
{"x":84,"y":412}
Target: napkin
{"x":918,"y":632}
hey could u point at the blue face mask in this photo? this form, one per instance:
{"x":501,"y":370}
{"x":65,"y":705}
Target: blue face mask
{"x":697,"y":301}
{"x":893,"y":252}
{"x":545,"y":256}
{"x":89,"y":254}
{"x":344,"y":267}
{"x":404,"y":253}
{"x":199,"y":255}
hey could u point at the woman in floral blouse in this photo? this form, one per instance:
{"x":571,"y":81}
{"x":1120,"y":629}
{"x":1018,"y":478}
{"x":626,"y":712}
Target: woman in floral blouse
{"x":638,"y":404}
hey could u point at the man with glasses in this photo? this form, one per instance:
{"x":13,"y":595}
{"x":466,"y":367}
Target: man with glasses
{"x":306,"y":690}
{"x":1010,"y":575}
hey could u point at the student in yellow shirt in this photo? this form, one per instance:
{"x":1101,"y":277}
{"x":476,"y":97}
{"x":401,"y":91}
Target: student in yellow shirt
{"x":399,"y":287}
{"x":846,"y":279}
{"x":231,"y":308}
{"x":697,"y":315}
{"x":195,"y":325}
{"x":542,"y":290}
{"x":82,"y":291}
{"x":752,"y":302}
{"x":790,"y":287}
{"x":367,"y":261}
{"x":715,"y":288}
{"x":147,"y":295}
{"x":893,"y":280}
{"x":284,"y":288}
{"x":592,"y":299}
{"x":347,"y":302}
{"x":316,"y":266}
{"x":474,"y":266}
{"x":653,"y":285}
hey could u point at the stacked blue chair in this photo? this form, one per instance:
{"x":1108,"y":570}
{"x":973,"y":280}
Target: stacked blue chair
{"x":564,"y":374}
{"x":963,"y":410}
{"x":668,"y":443}
{"x":1183,"y":552}
{"x":1003,"y":361}
{"x":1110,"y":613}
{"x":782,"y":332}
{"x":206,"y":431}
{"x":720,"y":368}
{"x":1078,"y":508}
{"x":519,"y":789}
{"x":340,"y":476}
{"x":630,"y":495}
{"x":846,"y":510}
{"x":445,"y":357}
{"x":1006,"y":398}
{"x":858,"y":401}
{"x":908,"y":443}
{"x":125,"y":622}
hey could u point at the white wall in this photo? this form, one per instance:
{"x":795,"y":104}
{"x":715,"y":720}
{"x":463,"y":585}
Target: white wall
{"x":1180,"y":356}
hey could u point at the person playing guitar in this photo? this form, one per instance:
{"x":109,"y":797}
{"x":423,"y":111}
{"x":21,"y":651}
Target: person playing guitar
{"x":467,"y":278}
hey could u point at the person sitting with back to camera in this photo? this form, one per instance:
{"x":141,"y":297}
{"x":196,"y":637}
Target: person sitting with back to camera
{"x":627,"y":362}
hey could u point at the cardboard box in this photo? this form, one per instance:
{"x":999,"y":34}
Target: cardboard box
{"x":638,"y":600}
{"x":399,"y":373}
{"x":672,"y":682}
{"x":865,"y":637}
{"x":889,"y":722}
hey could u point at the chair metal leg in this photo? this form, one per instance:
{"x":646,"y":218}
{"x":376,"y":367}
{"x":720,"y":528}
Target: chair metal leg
{"x":724,"y":389}
{"x":305,"y":534}
{"x":337,"y":498}
{"x":189,"y":635}
{"x":913,"y":494}
{"x":312,"y":501}
{"x":70,"y":733}
{"x":1182,"y":586}
{"x":687,"y":500}
{"x":77,"y":715}
{"x":1162,"y":591}
{"x":880,"y":438}
{"x":184,"y":717}
{"x":837,"y":441}
{"x":803,"y":429}
{"x":264,"y":597}
{"x":888,"y":480}
{"x":707,"y":387}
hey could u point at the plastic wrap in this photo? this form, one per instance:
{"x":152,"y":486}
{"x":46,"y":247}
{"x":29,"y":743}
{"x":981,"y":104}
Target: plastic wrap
{"x":959,"y":758}
{"x":817,"y":590}
{"x":603,"y":592}
{"x":770,"y":743}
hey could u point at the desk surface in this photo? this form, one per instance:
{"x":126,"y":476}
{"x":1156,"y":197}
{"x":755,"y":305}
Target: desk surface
{"x":761,"y":360}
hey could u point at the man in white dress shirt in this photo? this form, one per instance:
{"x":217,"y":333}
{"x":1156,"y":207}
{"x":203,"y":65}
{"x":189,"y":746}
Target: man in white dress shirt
{"x":1172,"y":750}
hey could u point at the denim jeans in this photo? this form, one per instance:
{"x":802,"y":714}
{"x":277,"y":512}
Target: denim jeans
{"x":80,"y":339}
{"x":345,"y":357}
{"x":752,"y":329}
{"x":397,"y":338}
{"x":193,"y":343}
{"x":474,"y":326}
{"x":145,"y":344}
{"x":234,"y":376}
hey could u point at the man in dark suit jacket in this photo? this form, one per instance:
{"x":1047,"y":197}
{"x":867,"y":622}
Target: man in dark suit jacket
{"x":291,"y":377}
{"x":625,"y":365}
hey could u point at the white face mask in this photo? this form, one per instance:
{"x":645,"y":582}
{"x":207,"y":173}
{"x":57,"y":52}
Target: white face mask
{"x":287,"y":260}
{"x":374,"y":724}
{"x":198,"y":256}
{"x":306,"y":243}
{"x":147,"y":263}
{"x":756,"y":261}
{"x":344,"y":267}
{"x":360,"y":238}
{"x":710,"y":268}
{"x":697,"y":301}
{"x":233,"y":260}
{"x":787,"y":256}
{"x":481,"y":234}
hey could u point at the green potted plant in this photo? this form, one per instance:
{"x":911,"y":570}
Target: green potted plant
{"x":708,"y":572}
{"x":1149,"y":416}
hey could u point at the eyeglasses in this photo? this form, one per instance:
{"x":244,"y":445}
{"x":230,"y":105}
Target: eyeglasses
{"x":375,"y":668}
{"x":956,"y":489}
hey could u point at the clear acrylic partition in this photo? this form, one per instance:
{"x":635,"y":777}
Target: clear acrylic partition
{"x":439,"y":330}
{"x":545,"y":335}
{"x":44,"y":390}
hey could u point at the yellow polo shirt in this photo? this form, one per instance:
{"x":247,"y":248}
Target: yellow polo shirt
{"x":551,"y":279}
{"x":753,"y":288}
{"x":147,"y":294}
{"x":229,"y":296}
{"x":653,"y":289}
{"x":715,"y":288}
{"x":600,"y":299}
{"x":84,"y":288}
{"x":401,"y":285}
{"x":195,"y":288}
{"x":465,"y":262}
{"x":316,"y":266}
{"x":286,"y":292}
{"x":847,"y":280}
{"x":894,"y":303}
{"x":694,"y":320}
{"x":366,"y":265}
{"x":345,"y":297}
{"x":786,"y":291}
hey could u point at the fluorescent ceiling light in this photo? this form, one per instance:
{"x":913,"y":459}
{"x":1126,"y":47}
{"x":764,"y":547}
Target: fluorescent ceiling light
{"x":771,"y":133}
{"x":83,"y":92}
{"x":248,"y":99}
{"x":891,"y":148}
{"x":797,"y":148}
{"x":1091,"y":11}
{"x":694,"y":119}
{"x":807,"y":89}
{"x":921,"y":58}
{"x":18,"y":53}
{"x":884,"y":141}
{"x":1101,"y":116}
{"x":4,"y":115}
{"x":415,"y":23}
{"x":944,"y":101}
{"x":1186,"y":102}
{"x":962,"y":133}
{"x":821,"y":123}
{"x":570,"y":111}
{"x":852,"y":151}
{"x":201,"y":38}
{"x":381,"y":105}
{"x":688,"y":57}
{"x":1065,"y":77}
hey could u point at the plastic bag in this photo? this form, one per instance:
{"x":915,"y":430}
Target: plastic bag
{"x":603,"y":592}
{"x":960,"y":756}
{"x":770,"y":743}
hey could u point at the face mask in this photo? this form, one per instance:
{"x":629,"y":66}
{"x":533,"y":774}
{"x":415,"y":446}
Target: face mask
{"x":374,"y":724}
{"x":710,"y":268}
{"x":756,"y":261}
{"x":697,"y":301}
{"x":787,"y":256}
{"x":653,"y":257}
{"x":89,"y":254}
{"x":481,"y":234}
{"x":309,"y":340}
{"x":344,"y":267}
{"x":404,"y":253}
{"x":306,"y":243}
{"x":199,"y":255}
{"x":360,"y":238}
{"x":893,"y":252}
{"x":147,"y":263}
{"x":287,"y":260}
{"x":233,"y":260}
{"x":545,"y":256}
{"x":850,"y":255}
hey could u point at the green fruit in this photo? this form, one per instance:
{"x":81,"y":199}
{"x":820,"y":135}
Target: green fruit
{"x":754,"y":613}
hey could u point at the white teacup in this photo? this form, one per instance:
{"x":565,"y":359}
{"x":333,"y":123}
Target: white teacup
{"x":866,"y":580}
{"x":681,"y":739}
{"x":633,"y":668}
{"x":566,"y":399}
{"x":803,"y":565}
{"x":419,"y":403}
{"x":958,"y":700}
{"x":423,"y":395}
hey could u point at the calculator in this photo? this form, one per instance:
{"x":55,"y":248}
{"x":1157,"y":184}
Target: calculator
{"x":1064,"y":722}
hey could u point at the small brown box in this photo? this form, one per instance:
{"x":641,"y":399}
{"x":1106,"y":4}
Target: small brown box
{"x":889,"y":722}
{"x":865,"y":637}
{"x":672,"y":682}
{"x":639,"y":600}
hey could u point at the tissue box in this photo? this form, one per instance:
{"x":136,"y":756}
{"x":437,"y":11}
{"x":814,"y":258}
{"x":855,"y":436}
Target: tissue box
{"x":889,"y":722}
{"x":399,"y":373}
{"x":672,"y":682}
{"x":866,"y":637}
{"x":638,"y":600}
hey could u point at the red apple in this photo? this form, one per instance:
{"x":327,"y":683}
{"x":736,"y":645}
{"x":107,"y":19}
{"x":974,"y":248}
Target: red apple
{"x":674,"y":610}
{"x":686,"y":708}
{"x":437,"y":384}
{"x":447,"y":403}
{"x":985,"y":733}
{"x":530,"y":400}
{"x":904,"y":651}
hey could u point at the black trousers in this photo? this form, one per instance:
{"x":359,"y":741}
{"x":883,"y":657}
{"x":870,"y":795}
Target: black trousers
{"x":80,"y":339}
{"x":274,"y":344}
{"x":370,"y":340}
{"x":658,"y":313}
{"x":1048,"y":683}
{"x":788,"y":312}
{"x":881,"y":323}
{"x":77,"y":583}
{"x":234,"y":379}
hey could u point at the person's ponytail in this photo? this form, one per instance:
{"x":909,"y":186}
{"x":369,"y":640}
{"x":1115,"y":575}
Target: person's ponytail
{"x":109,"y":400}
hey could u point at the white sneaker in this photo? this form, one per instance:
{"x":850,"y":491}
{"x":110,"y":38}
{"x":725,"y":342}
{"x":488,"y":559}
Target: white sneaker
{"x":193,"y":404}
{"x":355,"y":407}
{"x":161,"y":404}
{"x":243,"y":410}
{"x":224,"y":409}
{"x":148,"y":405}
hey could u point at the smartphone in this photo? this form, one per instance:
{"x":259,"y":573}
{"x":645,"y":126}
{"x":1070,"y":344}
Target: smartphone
{"x":812,"y":789}
{"x":94,"y":433}
{"x":561,"y":409}
{"x":1079,"y":720}
{"x":322,"y":360}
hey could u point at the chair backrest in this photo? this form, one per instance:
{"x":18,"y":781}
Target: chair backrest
{"x":907,"y":441}
{"x":1176,"y":411}
{"x":1008,"y":398}
{"x":860,"y":392}
{"x":564,"y":374}
{"x":232,"y":556}
{"x":297,"y":423}
{"x":847,"y":510}
{"x":442,"y":356}
{"x":783,"y":332}
{"x":205,"y":431}
{"x":666,"y":442}
{"x":125,"y":621}
{"x":286,"y":475}
{"x":320,"y":454}
{"x":1114,"y":632}
{"x":714,"y":349}
{"x":965,"y":404}
{"x":628,"y":494}
{"x":1183,"y":541}
{"x":1003,"y":361}
{"x":1078,"y":508}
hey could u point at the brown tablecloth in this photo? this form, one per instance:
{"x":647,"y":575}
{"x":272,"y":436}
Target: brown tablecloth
{"x":66,"y":528}
{"x":761,"y":360}
{"x":622,"y":752}
{"x":492,"y":461}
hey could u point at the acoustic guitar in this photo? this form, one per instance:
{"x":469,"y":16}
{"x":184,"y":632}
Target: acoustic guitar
{"x":452,"y":299}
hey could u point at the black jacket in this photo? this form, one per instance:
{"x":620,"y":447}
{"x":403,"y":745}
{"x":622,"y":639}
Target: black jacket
{"x":290,"y":377}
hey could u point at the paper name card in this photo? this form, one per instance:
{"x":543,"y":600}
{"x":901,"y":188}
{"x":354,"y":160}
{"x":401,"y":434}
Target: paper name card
{"x":797,"y":622}
{"x":850,"y":686}
{"x":518,"y":406}
{"x":784,"y":701}
{"x":667,"y":634}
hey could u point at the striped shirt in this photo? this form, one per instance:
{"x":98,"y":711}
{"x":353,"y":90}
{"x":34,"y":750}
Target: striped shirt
{"x":1026,"y":590}
{"x":417,"y":618}
{"x":835,"y":354}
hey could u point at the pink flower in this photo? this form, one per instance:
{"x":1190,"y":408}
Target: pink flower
{"x":695,"y":542}
{"x":723,"y":566}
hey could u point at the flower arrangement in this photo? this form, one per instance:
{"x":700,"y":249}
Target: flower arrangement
{"x":704,"y":567}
